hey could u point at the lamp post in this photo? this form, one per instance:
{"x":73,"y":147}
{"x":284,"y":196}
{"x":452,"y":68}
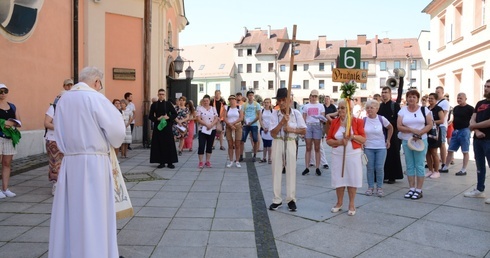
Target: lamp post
{"x":178,"y":62}
{"x":189,"y":72}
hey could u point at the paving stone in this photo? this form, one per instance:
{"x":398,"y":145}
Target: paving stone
{"x":232,"y":239}
{"x":236,"y":212}
{"x":178,"y":251}
{"x":147,"y":224}
{"x":199,"y":224}
{"x":461,"y":217}
{"x":13,"y":232}
{"x":156,"y":202}
{"x":138,"y":237}
{"x":44,"y":208}
{"x":233,"y":224}
{"x":185,"y":238}
{"x":135,"y":251}
{"x":196,"y":203}
{"x":24,"y":250}
{"x":288,"y":250}
{"x":34,"y":235}
{"x":156,"y":212}
{"x":133,"y":193}
{"x":195,"y":213}
{"x":219,"y":251}
{"x":7,"y":206}
{"x":25,"y":220}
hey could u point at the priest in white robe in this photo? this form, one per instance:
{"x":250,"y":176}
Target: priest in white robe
{"x":87,"y":125}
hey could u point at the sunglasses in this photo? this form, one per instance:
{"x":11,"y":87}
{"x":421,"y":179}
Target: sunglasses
{"x":4,"y":91}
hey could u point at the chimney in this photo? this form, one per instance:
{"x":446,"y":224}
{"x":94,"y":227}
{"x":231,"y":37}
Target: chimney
{"x":322,"y":42}
{"x":246,"y":31}
{"x":361,"y":39}
{"x":386,"y":41}
{"x":375,"y":46}
{"x":269,"y":32}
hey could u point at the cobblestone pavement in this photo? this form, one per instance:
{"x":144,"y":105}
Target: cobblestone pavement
{"x":222,"y":212}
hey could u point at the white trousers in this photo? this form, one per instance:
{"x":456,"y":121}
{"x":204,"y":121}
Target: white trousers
{"x":277,"y":165}
{"x":323,"y":159}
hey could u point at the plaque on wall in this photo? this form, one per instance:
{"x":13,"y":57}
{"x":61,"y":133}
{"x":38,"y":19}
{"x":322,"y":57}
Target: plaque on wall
{"x":124,"y":74}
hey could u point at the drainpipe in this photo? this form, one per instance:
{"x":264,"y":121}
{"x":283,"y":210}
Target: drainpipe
{"x":75,"y":41}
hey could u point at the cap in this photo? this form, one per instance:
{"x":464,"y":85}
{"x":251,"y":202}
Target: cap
{"x":314,"y":93}
{"x":3,"y":86}
{"x":281,"y":93}
{"x":68,"y":81}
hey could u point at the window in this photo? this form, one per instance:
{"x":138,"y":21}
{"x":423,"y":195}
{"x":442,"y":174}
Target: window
{"x":243,"y":85}
{"x":271,"y":67}
{"x":283,"y":68}
{"x":335,"y":89}
{"x":240,"y":52}
{"x":428,"y":45}
{"x":321,"y":67}
{"x":442,"y":31}
{"x":221,"y":66}
{"x":258,"y":68}
{"x":256,"y":85}
{"x":458,"y":13}
{"x":295,"y":67}
{"x":321,"y":84}
{"x":240,"y":68}
{"x":382,"y":82}
{"x":270,"y":85}
{"x":413,"y":65}
{"x":332,"y":65}
{"x":201,"y":87}
{"x":479,"y":13}
{"x":201,"y":67}
{"x":249,"y":52}
{"x":218,"y":86}
{"x":363,"y":86}
{"x":249,"y":68}
{"x":428,"y":83}
{"x":382,"y":66}
{"x":428,"y":61}
{"x":306,"y":84}
{"x":364,"y":65}
{"x":283,"y":84}
{"x":306,"y":67}
{"x":397,"y":64}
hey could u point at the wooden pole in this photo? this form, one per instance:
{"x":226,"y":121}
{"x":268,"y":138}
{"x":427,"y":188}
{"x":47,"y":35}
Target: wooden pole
{"x":347,"y":130}
{"x":146,"y":73}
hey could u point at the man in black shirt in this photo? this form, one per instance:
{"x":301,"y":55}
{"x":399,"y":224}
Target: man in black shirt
{"x":480,"y":124}
{"x":461,"y":135}
{"x":389,"y":109}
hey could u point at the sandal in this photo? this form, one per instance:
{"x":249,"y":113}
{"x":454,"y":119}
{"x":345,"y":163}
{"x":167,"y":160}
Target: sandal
{"x":262,"y":160}
{"x":369,"y":192}
{"x":270,"y":161}
{"x":222,"y":148}
{"x":409,"y":194}
{"x":417,"y":195}
{"x":380,"y":192}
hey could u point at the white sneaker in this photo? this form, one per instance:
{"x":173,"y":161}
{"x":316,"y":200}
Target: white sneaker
{"x":2,"y":195}
{"x":487,"y":201}
{"x":435,"y":175}
{"x":8,"y":193}
{"x":475,"y":194}
{"x":238,"y":164}
{"x":53,"y":190}
{"x":229,"y":164}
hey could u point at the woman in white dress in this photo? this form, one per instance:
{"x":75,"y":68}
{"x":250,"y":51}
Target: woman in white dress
{"x":352,"y":174}
{"x":128,"y":117}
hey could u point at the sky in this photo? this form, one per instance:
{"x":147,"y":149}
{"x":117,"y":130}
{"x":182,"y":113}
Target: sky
{"x":219,"y":21}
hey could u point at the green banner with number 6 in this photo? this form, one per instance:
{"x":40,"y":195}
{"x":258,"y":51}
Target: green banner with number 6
{"x":350,"y":58}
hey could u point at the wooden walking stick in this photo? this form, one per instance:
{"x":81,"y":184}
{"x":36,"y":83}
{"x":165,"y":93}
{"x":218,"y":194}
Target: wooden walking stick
{"x":348,"y":90}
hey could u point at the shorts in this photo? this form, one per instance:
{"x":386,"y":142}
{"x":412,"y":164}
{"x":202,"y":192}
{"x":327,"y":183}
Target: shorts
{"x":443,"y":132}
{"x":267,"y":143}
{"x":314,"y":131}
{"x":251,"y":128}
{"x":460,"y":138}
{"x":6,"y":147}
{"x":234,"y":135}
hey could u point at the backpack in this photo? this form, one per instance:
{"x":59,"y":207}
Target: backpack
{"x":385,"y":131}
{"x":264,"y":109}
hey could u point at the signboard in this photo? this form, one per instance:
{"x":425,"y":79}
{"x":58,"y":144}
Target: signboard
{"x":350,"y":58}
{"x":123,"y":74}
{"x":345,"y":75}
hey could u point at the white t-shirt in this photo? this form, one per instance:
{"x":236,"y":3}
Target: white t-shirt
{"x":356,"y":111}
{"x":207,"y":115}
{"x":295,"y":121}
{"x":444,"y":104}
{"x":313,"y":110}
{"x":413,"y":120}
{"x":50,"y":133}
{"x":266,"y":118}
{"x":131,"y":107}
{"x":233,"y":114}
{"x":375,"y":138}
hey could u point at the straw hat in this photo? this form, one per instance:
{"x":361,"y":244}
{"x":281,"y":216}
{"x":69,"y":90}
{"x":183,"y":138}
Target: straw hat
{"x":416,"y":144}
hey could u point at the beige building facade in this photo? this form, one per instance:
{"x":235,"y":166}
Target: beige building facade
{"x":459,"y":47}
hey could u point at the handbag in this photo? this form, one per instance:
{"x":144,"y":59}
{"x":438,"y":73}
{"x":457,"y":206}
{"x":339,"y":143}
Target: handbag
{"x":364,"y":159}
{"x":123,"y":206}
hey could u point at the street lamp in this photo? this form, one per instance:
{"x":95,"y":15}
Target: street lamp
{"x":189,"y":72}
{"x":178,"y":62}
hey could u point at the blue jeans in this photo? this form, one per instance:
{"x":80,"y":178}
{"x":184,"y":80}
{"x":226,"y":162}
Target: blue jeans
{"x":460,"y":138}
{"x":481,"y":148}
{"x":376,"y":162}
{"x":250,"y":128}
{"x":415,"y":159}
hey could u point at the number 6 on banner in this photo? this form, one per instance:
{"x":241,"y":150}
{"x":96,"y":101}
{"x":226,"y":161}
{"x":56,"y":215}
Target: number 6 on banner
{"x":350,"y":58}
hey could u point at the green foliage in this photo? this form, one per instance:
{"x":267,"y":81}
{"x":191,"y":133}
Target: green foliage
{"x":348,"y":89}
